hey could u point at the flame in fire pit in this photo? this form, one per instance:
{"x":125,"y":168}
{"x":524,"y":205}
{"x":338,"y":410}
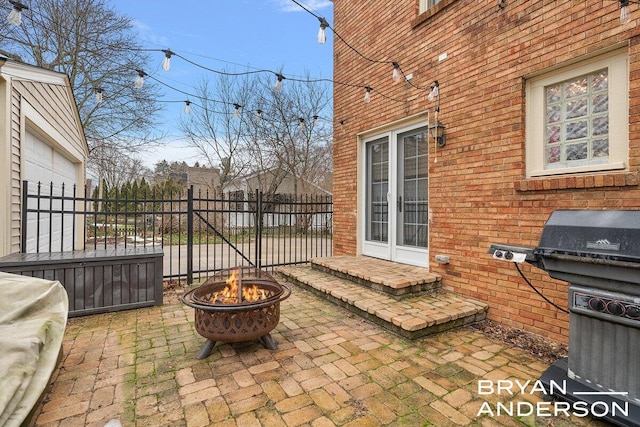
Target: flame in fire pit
{"x":229,"y":295}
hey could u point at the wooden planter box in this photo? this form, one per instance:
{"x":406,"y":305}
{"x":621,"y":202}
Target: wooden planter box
{"x":97,"y":281}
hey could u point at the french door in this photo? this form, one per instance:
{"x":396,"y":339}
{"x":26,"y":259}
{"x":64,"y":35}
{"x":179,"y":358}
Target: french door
{"x":396,"y":206}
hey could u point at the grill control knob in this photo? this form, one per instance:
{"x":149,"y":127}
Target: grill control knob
{"x":633,"y":312}
{"x":616,"y":308}
{"x":597,"y":304}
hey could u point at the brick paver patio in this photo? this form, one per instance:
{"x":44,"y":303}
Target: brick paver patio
{"x":331,"y":369}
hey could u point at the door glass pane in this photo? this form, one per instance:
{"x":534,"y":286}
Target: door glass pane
{"x":377,"y":211}
{"x":413,"y":179}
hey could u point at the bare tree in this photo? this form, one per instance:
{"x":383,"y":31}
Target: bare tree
{"x":98,"y":50}
{"x":282,"y":132}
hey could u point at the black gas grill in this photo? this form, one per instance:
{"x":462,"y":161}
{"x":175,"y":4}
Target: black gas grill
{"x":598,"y":253}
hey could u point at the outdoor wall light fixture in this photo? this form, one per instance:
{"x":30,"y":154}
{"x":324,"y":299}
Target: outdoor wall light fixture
{"x":437,"y":132}
{"x":15,"y":16}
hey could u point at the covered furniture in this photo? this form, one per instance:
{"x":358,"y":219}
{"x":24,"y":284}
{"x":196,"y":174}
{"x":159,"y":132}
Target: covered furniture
{"x":33,"y":317}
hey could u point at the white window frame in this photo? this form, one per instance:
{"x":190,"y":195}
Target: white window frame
{"x":616,"y":64}
{"x":425,"y":5}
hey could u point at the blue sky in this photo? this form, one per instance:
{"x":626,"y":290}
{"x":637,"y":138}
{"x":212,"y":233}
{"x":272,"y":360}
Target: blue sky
{"x":227,"y":34}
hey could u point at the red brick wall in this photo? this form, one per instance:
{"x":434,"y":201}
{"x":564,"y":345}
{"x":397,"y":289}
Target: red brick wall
{"x":479,"y":193}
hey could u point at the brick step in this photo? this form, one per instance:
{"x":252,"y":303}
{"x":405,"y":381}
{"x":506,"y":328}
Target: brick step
{"x":411,"y":317}
{"x":397,"y":280}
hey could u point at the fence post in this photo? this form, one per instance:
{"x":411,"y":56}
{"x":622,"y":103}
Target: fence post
{"x":25,"y":202}
{"x":258,"y":262}
{"x":190,"y":235}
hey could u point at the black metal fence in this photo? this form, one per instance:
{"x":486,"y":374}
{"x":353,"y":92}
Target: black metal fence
{"x":199,"y":232}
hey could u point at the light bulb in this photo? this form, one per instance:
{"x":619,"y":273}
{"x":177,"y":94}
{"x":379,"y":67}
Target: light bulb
{"x":367,"y":95}
{"x":278,"y":86}
{"x":15,"y":16}
{"x":322,"y":32}
{"x":396,"y":72}
{"x":435,"y":91}
{"x":236,"y":111}
{"x":315,"y":120}
{"x":301,"y":123}
{"x":99,"y":92}
{"x":187,"y":107}
{"x":139,"y":80}
{"x":166,"y":62}
{"x":259,"y":114}
{"x":625,"y":16}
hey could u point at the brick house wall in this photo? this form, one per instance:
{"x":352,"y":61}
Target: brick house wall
{"x":479,"y":192}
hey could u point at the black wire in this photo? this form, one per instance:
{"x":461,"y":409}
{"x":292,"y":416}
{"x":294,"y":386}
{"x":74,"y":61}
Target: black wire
{"x":537,"y":291}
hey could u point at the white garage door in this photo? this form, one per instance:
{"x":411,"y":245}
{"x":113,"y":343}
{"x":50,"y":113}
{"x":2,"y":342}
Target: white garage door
{"x":45,"y":165}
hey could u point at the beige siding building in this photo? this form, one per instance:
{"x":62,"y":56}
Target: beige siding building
{"x":41,"y":140}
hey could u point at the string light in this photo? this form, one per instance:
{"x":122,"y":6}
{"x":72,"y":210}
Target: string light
{"x":278,"y":86}
{"x":99,"y":93}
{"x":322,"y":32}
{"x":625,"y":16}
{"x":315,"y":120}
{"x":15,"y":16}
{"x":187,"y":107}
{"x":140,"y":79}
{"x":435,"y":91}
{"x":236,"y":111}
{"x":396,"y":71}
{"x":367,"y":95}
{"x":259,"y":113}
{"x":166,"y":62}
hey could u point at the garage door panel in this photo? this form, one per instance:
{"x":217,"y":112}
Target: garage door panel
{"x":45,"y":165}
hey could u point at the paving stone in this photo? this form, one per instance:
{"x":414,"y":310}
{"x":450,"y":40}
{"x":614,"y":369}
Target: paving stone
{"x":332,"y":368}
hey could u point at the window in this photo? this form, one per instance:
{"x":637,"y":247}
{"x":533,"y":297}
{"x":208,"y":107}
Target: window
{"x":427,"y":4}
{"x":577,"y":117}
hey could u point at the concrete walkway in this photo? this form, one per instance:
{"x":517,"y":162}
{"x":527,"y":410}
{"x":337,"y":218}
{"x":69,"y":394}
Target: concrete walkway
{"x":331,"y":369}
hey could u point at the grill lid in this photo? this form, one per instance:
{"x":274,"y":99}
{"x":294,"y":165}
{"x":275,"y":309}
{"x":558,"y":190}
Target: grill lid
{"x":610,"y":235}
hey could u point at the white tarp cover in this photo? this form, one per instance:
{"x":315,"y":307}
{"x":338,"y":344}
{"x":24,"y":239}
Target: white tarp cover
{"x":33,"y":317}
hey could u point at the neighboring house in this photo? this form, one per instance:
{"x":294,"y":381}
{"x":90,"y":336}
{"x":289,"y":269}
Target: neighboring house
{"x":41,"y":140}
{"x":540,"y":106}
{"x":203,"y":179}
{"x":288,"y":190}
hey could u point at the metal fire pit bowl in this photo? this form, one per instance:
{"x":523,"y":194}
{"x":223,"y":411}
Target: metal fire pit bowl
{"x":243,"y":321}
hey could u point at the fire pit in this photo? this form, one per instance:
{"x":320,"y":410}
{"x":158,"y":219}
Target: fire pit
{"x":236,"y":305}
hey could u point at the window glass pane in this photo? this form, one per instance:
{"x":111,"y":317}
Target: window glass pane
{"x":576,"y":151}
{"x":600,"y":126}
{"x":577,"y":108}
{"x":553,"y":94}
{"x":576,"y":88}
{"x":553,"y":114}
{"x":600,"y":103}
{"x":577,"y":121}
{"x":600,"y":81}
{"x":601,"y":148}
{"x":553,"y":134}
{"x":576,"y":130}
{"x":553,"y":154}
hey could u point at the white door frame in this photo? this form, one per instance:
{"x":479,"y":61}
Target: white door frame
{"x":387,"y":250}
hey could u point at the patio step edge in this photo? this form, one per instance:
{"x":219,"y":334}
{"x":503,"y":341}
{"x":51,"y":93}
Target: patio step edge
{"x":411,"y":318}
{"x":406,"y":281}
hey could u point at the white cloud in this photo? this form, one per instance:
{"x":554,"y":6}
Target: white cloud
{"x":146,"y":33}
{"x":312,"y":5}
